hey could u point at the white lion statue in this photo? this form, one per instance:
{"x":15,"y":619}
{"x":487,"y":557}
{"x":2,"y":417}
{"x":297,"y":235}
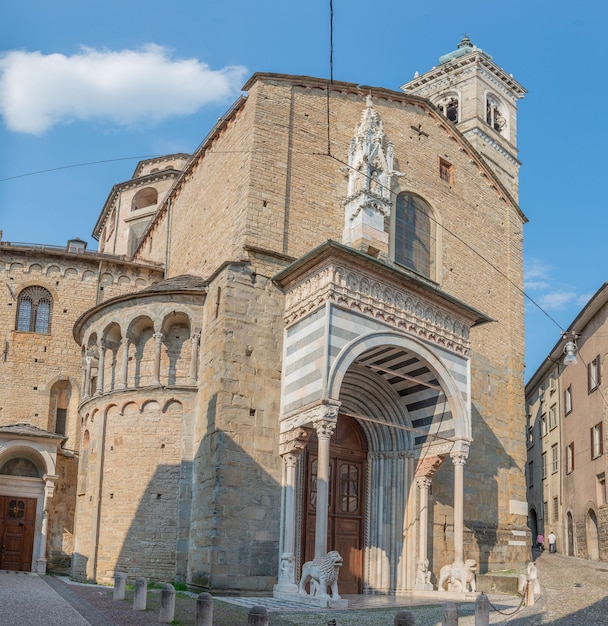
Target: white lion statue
{"x":458,"y":577}
{"x":322,"y":576}
{"x":423,"y":575}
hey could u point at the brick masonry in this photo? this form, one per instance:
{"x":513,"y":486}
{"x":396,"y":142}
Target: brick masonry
{"x":181,"y":478}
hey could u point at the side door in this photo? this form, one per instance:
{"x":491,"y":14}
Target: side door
{"x":17,"y":524}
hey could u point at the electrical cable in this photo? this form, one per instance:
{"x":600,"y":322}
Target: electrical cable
{"x":67,"y":167}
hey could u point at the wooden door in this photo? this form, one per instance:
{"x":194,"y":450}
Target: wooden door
{"x":348,"y":453}
{"x":17,"y":523}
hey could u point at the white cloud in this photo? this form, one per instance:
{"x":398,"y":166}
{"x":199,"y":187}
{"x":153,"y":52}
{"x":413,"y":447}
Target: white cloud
{"x":549,"y":294}
{"x":536,"y":272}
{"x":38,"y":91}
{"x":557,"y":300}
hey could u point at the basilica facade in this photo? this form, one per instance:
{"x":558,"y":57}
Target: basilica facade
{"x":304,"y":338}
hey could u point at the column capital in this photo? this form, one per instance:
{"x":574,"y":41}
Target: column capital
{"x":125,"y":341}
{"x":459,"y":458}
{"x":325,"y":418}
{"x":460,"y":452}
{"x":424,"y":482}
{"x":195,"y":337}
{"x":290,"y":459}
{"x":325,"y":427}
{"x":158,"y":337}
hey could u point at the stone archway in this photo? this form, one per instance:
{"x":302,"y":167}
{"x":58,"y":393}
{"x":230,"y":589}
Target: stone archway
{"x":412,"y":410}
{"x":27,"y":482}
{"x":533,"y":524}
{"x":570,"y":531}
{"x":372,"y":344}
{"x":591,"y":527}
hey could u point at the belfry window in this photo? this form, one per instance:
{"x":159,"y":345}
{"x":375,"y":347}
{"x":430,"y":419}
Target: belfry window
{"x":494,"y":115}
{"x":34,"y":310}
{"x":449,"y":107}
{"x":414,"y":234}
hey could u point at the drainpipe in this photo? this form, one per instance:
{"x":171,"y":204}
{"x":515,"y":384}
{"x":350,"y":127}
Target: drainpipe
{"x":116,"y":224}
{"x":92,"y":568}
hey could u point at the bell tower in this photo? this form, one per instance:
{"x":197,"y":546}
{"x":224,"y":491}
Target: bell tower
{"x":480,"y":98}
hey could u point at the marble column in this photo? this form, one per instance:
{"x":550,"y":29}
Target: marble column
{"x":158,"y":344}
{"x":458,"y":459}
{"x":124,"y":342}
{"x":83,"y":385}
{"x":291,"y":445}
{"x":325,"y":428}
{"x":49,"y":488}
{"x":422,"y":572}
{"x":196,"y":337}
{"x":287,"y":578}
{"x":100,"y":367}
{"x":87,"y":379}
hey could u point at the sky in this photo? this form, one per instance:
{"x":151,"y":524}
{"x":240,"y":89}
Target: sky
{"x":89,"y":87}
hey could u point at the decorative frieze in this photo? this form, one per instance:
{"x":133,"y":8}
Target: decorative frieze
{"x":312,"y":415}
{"x":369,"y":295}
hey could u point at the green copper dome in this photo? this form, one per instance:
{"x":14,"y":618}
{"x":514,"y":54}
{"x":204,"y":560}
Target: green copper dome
{"x":464,"y":47}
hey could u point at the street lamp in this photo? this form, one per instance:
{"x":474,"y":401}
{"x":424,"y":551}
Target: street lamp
{"x":570,"y":350}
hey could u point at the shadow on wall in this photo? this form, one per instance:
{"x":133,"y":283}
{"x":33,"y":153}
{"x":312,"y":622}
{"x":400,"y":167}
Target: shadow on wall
{"x":236,"y":504}
{"x":213,"y":522}
{"x":488,"y":462}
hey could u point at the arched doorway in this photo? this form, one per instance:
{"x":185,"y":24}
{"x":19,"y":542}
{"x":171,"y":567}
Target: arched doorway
{"x":18,"y":515}
{"x":570,"y":523}
{"x":346,"y":513}
{"x":593,"y":547}
{"x":533,"y":525}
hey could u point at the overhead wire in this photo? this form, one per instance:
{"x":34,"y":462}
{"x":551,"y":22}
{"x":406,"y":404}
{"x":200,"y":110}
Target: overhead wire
{"x":330,"y":155}
{"x":73,"y":165}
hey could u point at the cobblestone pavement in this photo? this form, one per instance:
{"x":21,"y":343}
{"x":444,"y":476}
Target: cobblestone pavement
{"x":26,"y":599}
{"x":573,"y":592}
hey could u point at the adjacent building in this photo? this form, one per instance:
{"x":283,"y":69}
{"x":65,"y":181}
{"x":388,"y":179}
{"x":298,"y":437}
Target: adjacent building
{"x":326,"y":352}
{"x":566,"y":415}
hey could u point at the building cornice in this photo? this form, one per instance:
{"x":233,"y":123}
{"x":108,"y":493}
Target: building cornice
{"x":476,"y":57}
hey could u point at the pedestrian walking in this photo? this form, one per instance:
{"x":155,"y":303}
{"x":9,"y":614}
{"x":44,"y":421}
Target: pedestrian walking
{"x":540,"y":541}
{"x":551,"y":539}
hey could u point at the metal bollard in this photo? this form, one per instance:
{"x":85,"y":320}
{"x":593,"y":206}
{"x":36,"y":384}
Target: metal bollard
{"x":120,"y":585}
{"x":258,"y":616}
{"x":482,"y":610}
{"x":449,"y":615}
{"x":204,"y":610}
{"x":140,"y":597}
{"x":167,"y":604}
{"x":404,"y":618}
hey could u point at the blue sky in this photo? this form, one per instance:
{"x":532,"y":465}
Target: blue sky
{"x":90,"y":81}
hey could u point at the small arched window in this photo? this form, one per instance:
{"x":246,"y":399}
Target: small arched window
{"x":144,"y":198}
{"x":414,"y":234}
{"x":34,"y":310}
